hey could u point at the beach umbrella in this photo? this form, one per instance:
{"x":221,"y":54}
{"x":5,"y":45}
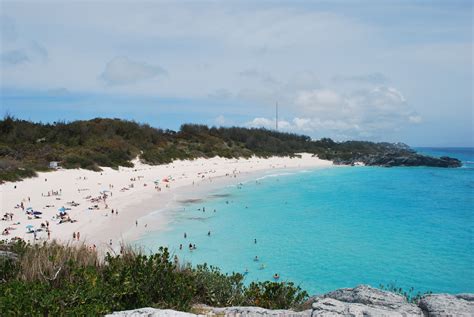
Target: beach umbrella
{"x":30,"y":227}
{"x":37,"y":213}
{"x":29,"y":208}
{"x":62,"y":209}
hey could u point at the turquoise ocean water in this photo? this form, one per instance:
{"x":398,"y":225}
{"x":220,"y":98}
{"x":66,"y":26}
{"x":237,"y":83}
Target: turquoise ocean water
{"x":339,"y":227}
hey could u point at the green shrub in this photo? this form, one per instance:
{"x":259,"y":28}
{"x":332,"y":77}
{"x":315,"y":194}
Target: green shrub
{"x":217,"y":289}
{"x":274,"y":295}
{"x":56,"y":280}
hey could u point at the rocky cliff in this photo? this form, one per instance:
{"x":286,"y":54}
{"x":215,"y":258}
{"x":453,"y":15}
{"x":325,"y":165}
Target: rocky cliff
{"x":361,"y":301}
{"x":391,"y":159}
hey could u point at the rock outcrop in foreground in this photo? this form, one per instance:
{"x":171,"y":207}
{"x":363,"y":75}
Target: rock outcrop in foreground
{"x":361,"y":301}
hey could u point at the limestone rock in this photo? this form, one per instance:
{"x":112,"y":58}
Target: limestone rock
{"x":151,"y":312}
{"x":328,"y":307}
{"x":363,"y":300}
{"x":256,"y":312}
{"x":444,"y":305}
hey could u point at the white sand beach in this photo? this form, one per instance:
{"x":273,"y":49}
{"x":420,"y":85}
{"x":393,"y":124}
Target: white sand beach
{"x":108,"y":206}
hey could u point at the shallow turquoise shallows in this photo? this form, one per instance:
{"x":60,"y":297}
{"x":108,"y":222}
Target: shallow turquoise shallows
{"x":339,"y":227}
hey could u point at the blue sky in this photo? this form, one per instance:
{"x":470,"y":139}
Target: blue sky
{"x":374,"y":70}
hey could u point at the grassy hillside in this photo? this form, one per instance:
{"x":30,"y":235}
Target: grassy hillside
{"x":26,"y":147}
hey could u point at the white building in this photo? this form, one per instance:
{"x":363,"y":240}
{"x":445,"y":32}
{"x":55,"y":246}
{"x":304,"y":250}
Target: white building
{"x":54,"y":164}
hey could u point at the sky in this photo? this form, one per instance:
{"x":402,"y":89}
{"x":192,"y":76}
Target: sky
{"x":350,"y":70}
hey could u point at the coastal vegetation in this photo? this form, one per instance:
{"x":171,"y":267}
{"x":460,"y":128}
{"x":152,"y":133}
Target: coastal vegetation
{"x":52,"y":279}
{"x":410,"y":294}
{"x":27,"y":147}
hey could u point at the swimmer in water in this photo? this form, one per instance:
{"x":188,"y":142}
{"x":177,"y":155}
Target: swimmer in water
{"x":255,"y":259}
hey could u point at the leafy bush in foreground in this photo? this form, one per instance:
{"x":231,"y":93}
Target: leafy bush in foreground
{"x":274,"y":295}
{"x":53,"y":279}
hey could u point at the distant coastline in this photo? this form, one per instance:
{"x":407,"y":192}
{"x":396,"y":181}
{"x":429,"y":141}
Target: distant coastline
{"x":27,"y":147}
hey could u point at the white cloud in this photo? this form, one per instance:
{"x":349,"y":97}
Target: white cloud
{"x":415,"y":118}
{"x":7,"y":29}
{"x":262,"y":76}
{"x":318,"y":100}
{"x":285,"y":52}
{"x":372,"y":78}
{"x":17,"y":50}
{"x":362,"y":114}
{"x":122,"y":71}
{"x":14,"y":57}
{"x":220,"y":120}
{"x":269,"y":124}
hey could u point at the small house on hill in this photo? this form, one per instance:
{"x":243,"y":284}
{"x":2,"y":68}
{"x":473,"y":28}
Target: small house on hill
{"x":54,"y":164}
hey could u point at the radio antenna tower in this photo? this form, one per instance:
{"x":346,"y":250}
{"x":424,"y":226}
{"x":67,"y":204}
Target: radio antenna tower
{"x":276,"y":116}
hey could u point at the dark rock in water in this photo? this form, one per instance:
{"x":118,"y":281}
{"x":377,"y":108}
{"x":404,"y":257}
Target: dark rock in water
{"x":401,"y":159}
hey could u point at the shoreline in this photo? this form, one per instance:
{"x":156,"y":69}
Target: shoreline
{"x":190,"y":195}
{"x":132,"y":192}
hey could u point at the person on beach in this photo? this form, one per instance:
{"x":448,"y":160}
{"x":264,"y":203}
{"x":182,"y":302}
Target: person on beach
{"x":74,"y":236}
{"x":181,"y":247}
{"x":185,"y":235}
{"x":190,"y":246}
{"x":78,"y":235}
{"x":136,"y":223}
